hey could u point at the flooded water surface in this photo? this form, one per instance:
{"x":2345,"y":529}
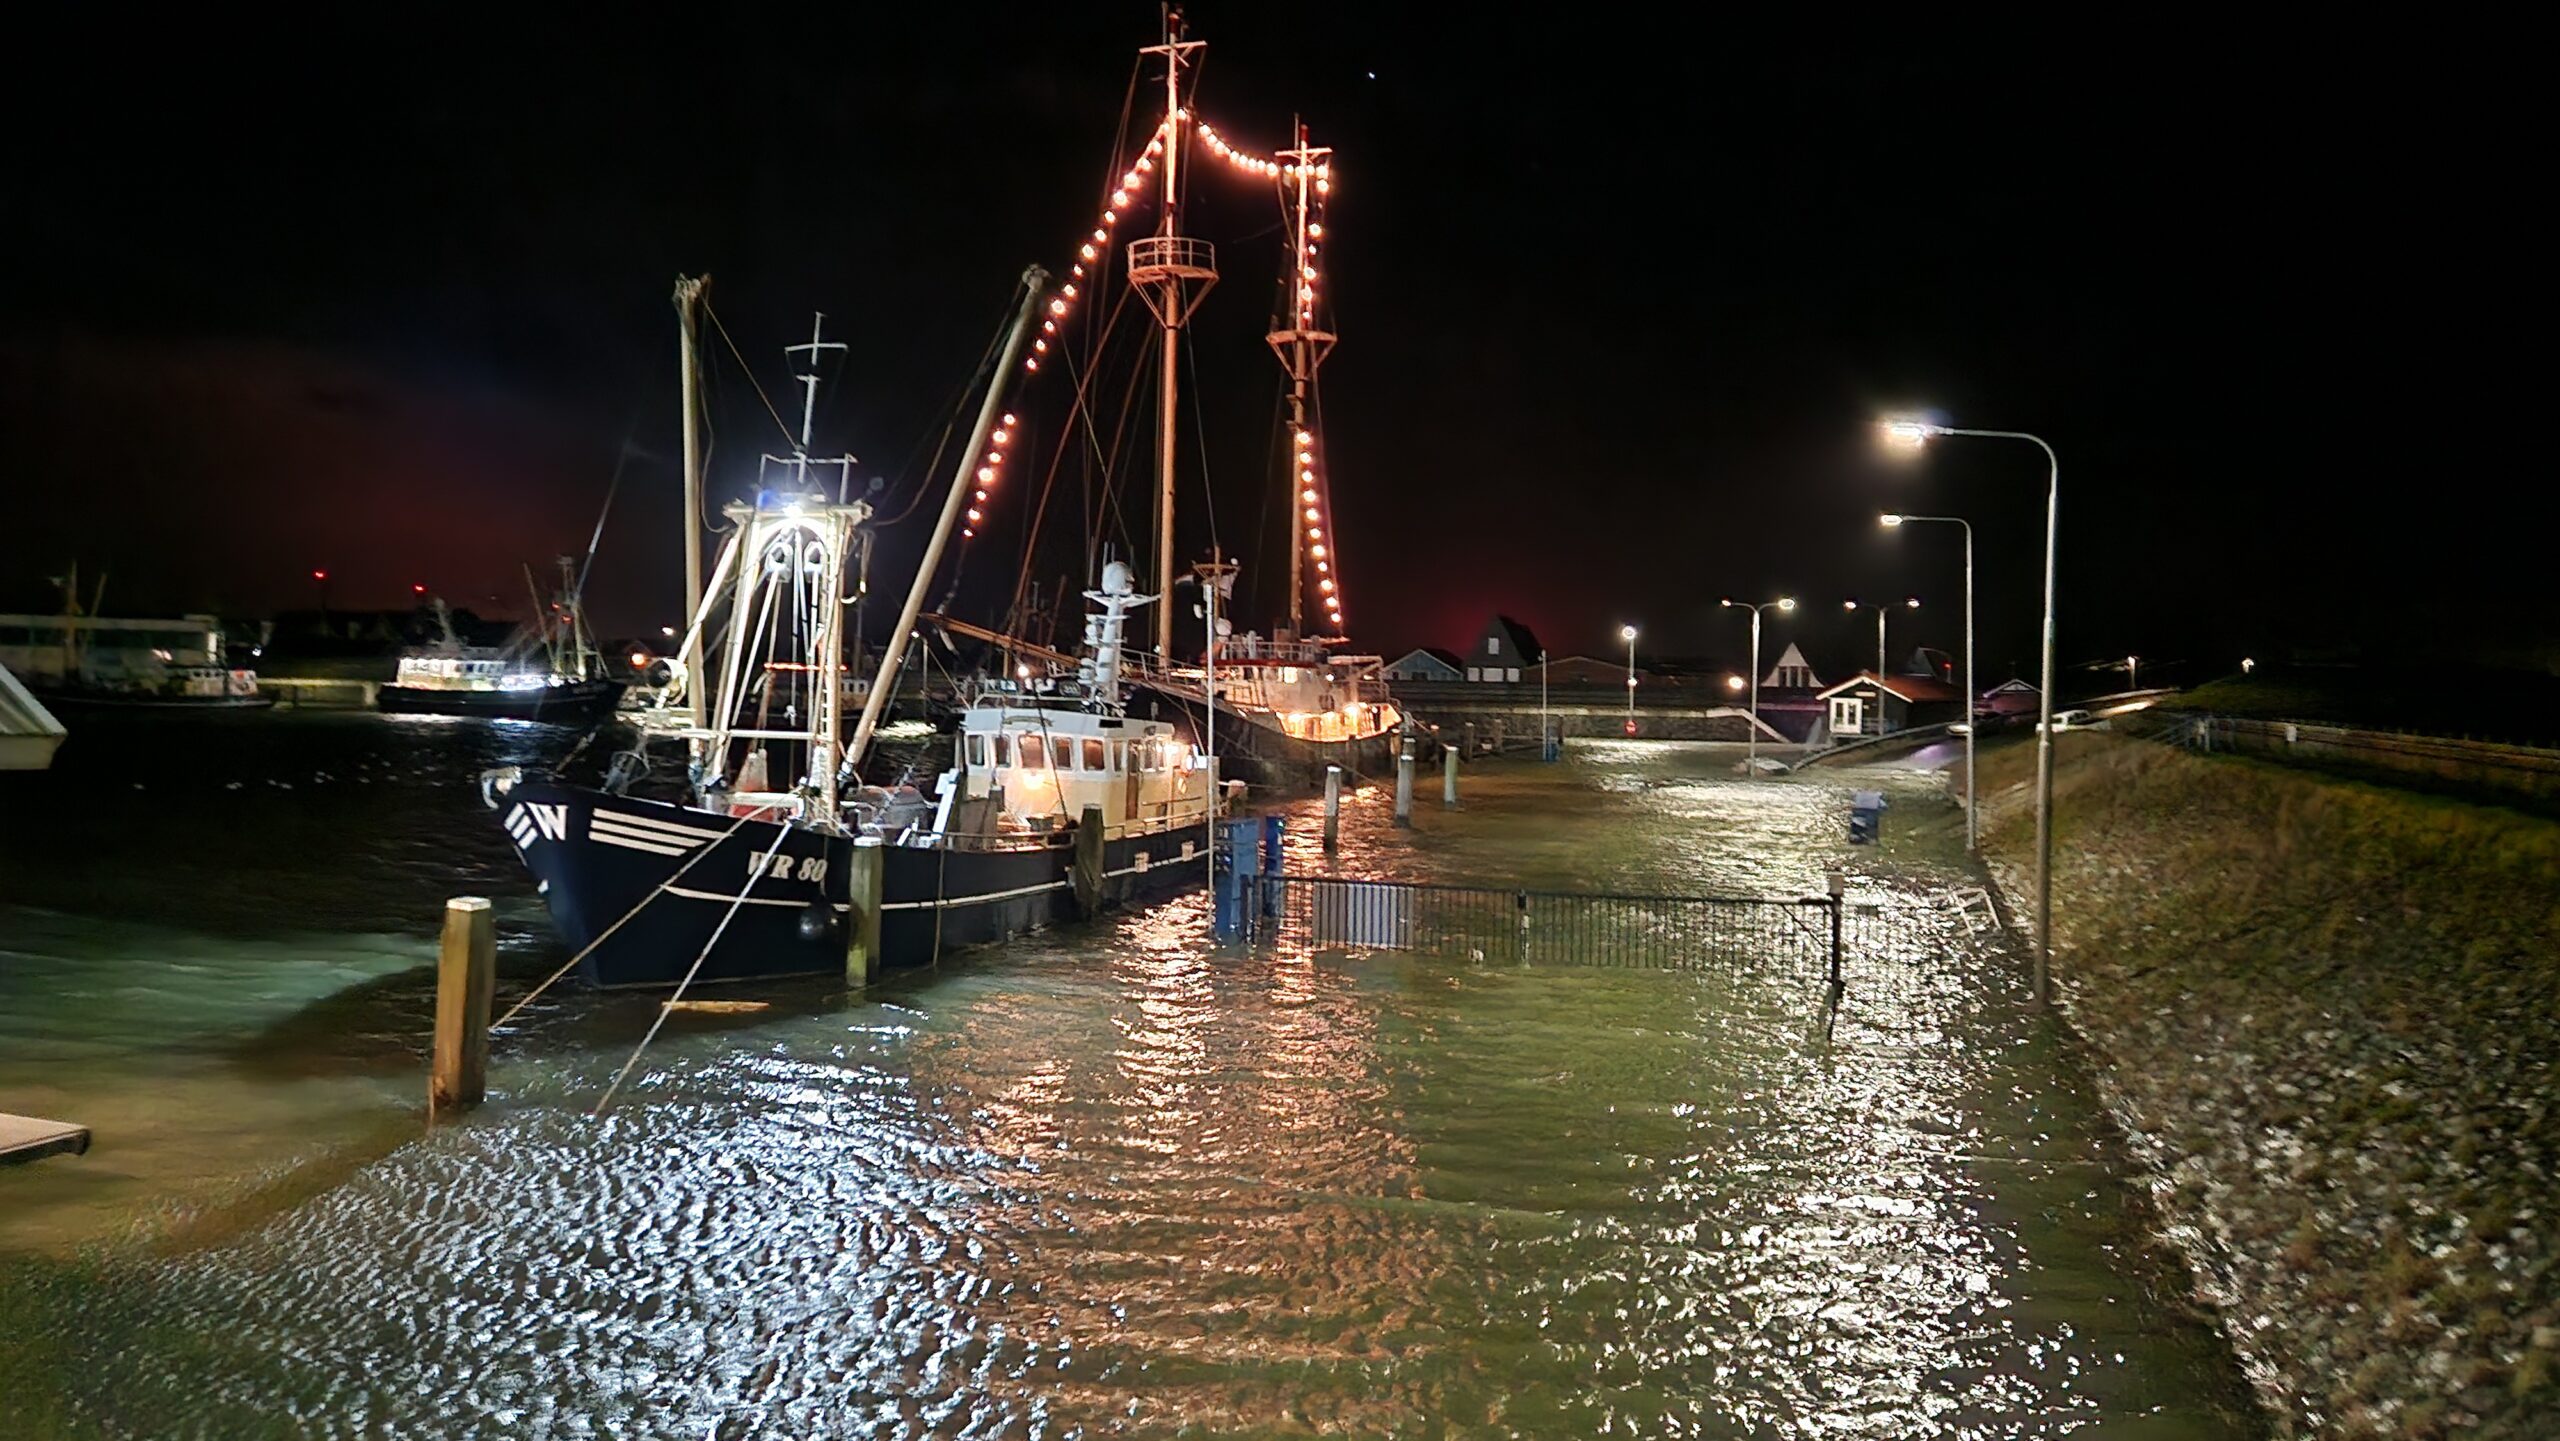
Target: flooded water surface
{"x":1110,"y":1181}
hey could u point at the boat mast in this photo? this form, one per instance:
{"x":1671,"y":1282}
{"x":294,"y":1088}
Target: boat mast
{"x":688,"y":299}
{"x":884,"y":677}
{"x":1173,"y":272}
{"x":1296,"y":340}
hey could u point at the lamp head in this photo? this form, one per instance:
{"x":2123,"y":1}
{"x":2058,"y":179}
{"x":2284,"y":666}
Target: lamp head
{"x":1910,"y":434}
{"x":1787,"y":603}
{"x":1888,"y":521}
{"x":1912,"y":604}
{"x":1626,"y":632}
{"x":1848,"y":605}
{"x":1726,"y":602}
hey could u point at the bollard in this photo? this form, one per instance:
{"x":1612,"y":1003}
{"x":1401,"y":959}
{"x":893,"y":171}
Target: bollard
{"x":1449,"y":777}
{"x":862,"y":927}
{"x":1494,"y":746}
{"x":466,"y":972}
{"x":1404,"y":782}
{"x":1332,"y":807}
{"x":1467,"y":739}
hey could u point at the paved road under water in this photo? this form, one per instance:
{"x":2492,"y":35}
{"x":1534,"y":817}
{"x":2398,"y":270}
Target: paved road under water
{"x":1103,"y":1182}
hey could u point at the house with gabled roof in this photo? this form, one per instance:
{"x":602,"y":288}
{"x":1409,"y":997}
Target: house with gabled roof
{"x":1871,"y":705}
{"x":1426,"y":663}
{"x":1502,"y":652}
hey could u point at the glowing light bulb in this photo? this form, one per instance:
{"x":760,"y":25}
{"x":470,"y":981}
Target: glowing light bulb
{"x":1308,"y":496}
{"x":1319,"y":552}
{"x":1042,"y":346}
{"x":1119,"y":198}
{"x":1311,"y":510}
{"x":1009,"y":420}
{"x":1002,"y":436}
{"x":973,"y":515}
{"x":986,"y":475}
{"x":1057,"y":307}
{"x":1306,"y":438}
{"x":1328,"y":585}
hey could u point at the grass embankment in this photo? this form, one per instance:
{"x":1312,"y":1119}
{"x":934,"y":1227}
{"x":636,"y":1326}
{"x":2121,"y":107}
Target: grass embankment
{"x":2331,"y":1018}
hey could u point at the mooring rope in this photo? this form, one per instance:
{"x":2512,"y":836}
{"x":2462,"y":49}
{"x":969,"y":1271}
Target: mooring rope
{"x":667,"y":1006}
{"x":531,"y":996}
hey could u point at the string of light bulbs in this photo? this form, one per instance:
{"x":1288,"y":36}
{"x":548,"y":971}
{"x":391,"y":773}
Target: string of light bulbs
{"x":1313,"y":506}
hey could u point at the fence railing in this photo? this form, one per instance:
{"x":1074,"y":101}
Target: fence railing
{"x":2524,"y":772}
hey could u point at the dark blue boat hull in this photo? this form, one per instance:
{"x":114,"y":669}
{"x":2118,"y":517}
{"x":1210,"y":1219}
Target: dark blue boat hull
{"x":647,"y":885}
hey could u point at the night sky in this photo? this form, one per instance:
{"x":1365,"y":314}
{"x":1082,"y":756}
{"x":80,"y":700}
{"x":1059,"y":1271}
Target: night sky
{"x":1619,"y":306}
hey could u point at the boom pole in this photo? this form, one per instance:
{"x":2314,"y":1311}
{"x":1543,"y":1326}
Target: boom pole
{"x":884,"y":677}
{"x":688,"y":300}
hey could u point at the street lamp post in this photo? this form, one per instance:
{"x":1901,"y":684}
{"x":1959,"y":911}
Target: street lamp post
{"x":1881,"y":611}
{"x":1971,"y":722}
{"x":1918,"y":432}
{"x":1783,"y":603}
{"x":1627,"y":633}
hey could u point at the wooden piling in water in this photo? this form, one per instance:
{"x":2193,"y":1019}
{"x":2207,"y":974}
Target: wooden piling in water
{"x":1086,"y":876}
{"x":1332,"y":807}
{"x":862,"y":923}
{"x":1404,"y":780}
{"x":1449,"y":777}
{"x":466,"y":975}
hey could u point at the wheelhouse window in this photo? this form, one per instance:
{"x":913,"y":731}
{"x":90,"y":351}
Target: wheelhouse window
{"x":1094,"y":751}
{"x":1003,"y":749}
{"x":978,"y":751}
{"x":1035,"y":756}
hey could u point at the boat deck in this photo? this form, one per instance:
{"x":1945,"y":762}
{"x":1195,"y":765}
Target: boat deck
{"x":25,"y":1138}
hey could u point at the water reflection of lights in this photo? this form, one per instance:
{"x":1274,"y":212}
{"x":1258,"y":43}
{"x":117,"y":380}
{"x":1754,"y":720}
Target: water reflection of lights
{"x":1115,"y":1181}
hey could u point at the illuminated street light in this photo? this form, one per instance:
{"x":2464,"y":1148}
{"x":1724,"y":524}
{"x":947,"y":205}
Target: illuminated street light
{"x":1881,"y":611}
{"x":1782,"y":604}
{"x":1971,"y":721}
{"x":1627,"y":633}
{"x":1914,"y":433}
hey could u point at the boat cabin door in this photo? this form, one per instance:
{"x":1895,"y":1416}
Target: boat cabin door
{"x":978,"y":763}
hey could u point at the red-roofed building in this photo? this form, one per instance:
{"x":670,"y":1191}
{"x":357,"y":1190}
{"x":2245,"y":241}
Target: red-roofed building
{"x":1867,"y":705}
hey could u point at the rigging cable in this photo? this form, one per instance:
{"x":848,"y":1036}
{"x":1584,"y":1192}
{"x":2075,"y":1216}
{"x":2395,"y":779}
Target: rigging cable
{"x":667,"y":1007}
{"x":787,"y":437}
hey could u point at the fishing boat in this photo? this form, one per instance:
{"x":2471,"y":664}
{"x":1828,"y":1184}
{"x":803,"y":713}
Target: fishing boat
{"x":80,"y":660}
{"x":1052,"y":800}
{"x":552,"y":674}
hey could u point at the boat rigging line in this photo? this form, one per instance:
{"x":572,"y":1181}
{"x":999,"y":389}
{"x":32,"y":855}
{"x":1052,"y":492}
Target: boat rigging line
{"x":667,"y":1007}
{"x":549,"y":981}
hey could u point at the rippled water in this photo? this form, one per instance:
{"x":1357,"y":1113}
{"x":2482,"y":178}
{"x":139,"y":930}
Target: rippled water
{"x":1110,"y":1181}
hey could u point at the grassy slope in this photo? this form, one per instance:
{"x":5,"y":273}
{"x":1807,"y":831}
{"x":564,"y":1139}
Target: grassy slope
{"x":2331,"y":1016}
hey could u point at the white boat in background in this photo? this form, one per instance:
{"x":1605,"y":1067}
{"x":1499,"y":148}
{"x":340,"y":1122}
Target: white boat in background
{"x":29,"y":734}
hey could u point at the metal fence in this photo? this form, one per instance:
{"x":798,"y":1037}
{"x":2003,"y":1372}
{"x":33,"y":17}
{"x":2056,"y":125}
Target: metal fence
{"x":1797,"y":957}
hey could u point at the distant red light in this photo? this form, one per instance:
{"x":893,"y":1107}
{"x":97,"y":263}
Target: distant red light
{"x":319,"y":575}
{"x":417,"y":590}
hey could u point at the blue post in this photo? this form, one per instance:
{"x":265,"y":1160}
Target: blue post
{"x":1240,"y":863}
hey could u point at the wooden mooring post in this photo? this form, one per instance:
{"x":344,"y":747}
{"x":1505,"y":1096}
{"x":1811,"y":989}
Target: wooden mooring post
{"x":1332,"y":807}
{"x":1404,"y":781}
{"x":466,"y":974}
{"x":862,"y":922}
{"x":1449,"y":777}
